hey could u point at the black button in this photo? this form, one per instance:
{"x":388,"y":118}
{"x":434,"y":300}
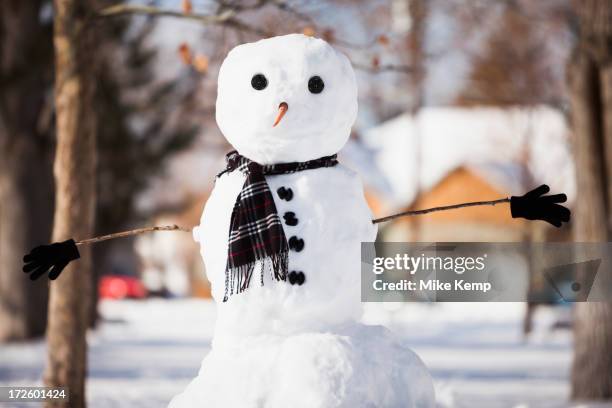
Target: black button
{"x":285,"y":193}
{"x":295,"y":243}
{"x":300,"y":278}
{"x":296,"y":278}
{"x":290,"y":219}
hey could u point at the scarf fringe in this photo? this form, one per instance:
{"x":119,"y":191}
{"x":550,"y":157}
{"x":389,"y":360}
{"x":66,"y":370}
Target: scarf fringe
{"x":238,"y":279}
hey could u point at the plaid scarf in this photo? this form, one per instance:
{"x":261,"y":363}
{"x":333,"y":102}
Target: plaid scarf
{"x":256,"y":236}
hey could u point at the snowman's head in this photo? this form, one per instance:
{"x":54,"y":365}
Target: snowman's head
{"x":285,"y":99}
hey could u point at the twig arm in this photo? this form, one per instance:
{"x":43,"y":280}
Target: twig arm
{"x":532,"y":206}
{"x":442,"y":208}
{"x":375,"y":221}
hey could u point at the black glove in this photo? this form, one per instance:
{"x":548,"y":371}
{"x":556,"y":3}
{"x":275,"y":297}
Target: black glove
{"x":535,"y":206}
{"x":52,"y":258}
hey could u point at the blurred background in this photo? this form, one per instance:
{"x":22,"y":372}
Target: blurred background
{"x":459,"y":100}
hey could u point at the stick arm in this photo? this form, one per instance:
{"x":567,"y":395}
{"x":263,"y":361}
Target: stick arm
{"x":534,"y":205}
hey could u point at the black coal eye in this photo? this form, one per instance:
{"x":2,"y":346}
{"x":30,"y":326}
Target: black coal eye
{"x":259,"y":82}
{"x":316,"y":85}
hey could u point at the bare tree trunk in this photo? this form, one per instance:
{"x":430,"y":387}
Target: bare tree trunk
{"x":26,"y":186}
{"x":75,"y":196}
{"x":416,"y":48}
{"x":605,"y":74}
{"x":25,"y":214}
{"x":589,"y":80}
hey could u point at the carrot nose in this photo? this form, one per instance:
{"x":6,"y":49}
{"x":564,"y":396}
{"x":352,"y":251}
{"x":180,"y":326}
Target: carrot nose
{"x":282,"y":109}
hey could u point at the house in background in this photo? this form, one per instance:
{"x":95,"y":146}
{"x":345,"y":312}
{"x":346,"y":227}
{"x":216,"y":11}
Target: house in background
{"x":449,"y":155}
{"x":462,"y":184}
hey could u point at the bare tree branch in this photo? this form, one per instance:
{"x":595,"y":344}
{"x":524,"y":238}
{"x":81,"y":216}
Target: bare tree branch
{"x":284,"y":6}
{"x":131,"y":9}
{"x":226,"y":15}
{"x":404,"y":69}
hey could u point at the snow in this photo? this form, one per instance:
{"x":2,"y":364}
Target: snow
{"x":268,"y":333}
{"x":477,"y":355}
{"x":356,"y":366}
{"x":314,"y":126}
{"x":274,"y":330}
{"x":145,"y":352}
{"x":326,"y":202}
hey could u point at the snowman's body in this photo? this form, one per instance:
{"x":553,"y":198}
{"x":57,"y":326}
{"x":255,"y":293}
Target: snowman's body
{"x":284,"y":344}
{"x":325,"y":210}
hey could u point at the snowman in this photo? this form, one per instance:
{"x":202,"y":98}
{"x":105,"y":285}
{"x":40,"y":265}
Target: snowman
{"x":280,"y":237}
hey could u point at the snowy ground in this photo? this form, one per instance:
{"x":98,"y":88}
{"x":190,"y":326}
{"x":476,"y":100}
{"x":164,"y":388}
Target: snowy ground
{"x":146,"y":351}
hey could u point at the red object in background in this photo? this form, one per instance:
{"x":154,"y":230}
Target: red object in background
{"x":121,"y":287}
